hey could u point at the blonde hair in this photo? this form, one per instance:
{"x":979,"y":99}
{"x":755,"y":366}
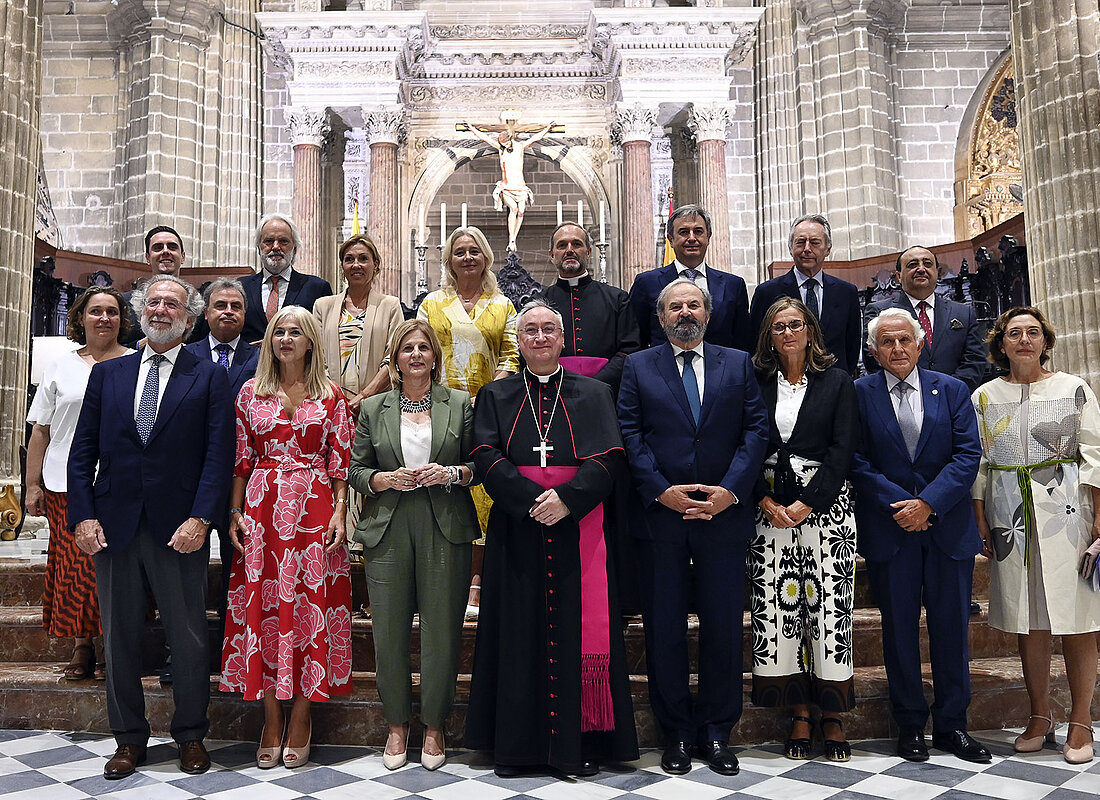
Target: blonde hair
{"x":399,"y":334}
{"x":268,"y":372}
{"x":488,"y":277}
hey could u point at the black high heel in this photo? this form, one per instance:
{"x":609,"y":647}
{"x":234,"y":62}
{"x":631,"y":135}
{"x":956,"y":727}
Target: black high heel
{"x":798,"y":749}
{"x":835,"y":750}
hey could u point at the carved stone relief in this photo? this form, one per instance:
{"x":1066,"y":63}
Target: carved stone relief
{"x":635,"y":123}
{"x":308,"y":125}
{"x":994,"y":167}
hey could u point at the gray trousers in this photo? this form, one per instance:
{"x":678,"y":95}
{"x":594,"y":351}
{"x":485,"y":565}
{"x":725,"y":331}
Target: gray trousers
{"x":178,"y":583}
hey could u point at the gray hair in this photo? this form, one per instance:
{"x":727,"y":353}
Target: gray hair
{"x":663,"y":296}
{"x":538,"y":302}
{"x":266,"y":218}
{"x":193,"y":305}
{"x":584,"y":230}
{"x":690,"y":210}
{"x":820,"y":220}
{"x":223,"y":284}
{"x":892,"y":313}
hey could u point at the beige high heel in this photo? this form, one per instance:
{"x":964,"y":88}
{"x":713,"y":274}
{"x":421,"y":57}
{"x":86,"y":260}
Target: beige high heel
{"x":296,"y":756}
{"x":1078,"y":755}
{"x":1033,"y":744}
{"x":431,"y":761}
{"x":268,"y":757}
{"x":397,"y":760}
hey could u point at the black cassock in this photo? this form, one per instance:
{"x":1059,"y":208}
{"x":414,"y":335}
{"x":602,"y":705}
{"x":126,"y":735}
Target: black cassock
{"x":526,"y":690}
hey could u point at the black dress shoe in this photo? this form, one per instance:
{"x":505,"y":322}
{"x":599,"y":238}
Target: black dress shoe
{"x":676,"y":760}
{"x":719,"y":758}
{"x":586,"y":769}
{"x":963,"y":745}
{"x":911,"y":745}
{"x":125,"y":761}
{"x":511,"y":771}
{"x":194,"y":760}
{"x":975,"y":608}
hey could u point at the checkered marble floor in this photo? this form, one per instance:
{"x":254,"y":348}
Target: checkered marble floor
{"x":58,"y":766}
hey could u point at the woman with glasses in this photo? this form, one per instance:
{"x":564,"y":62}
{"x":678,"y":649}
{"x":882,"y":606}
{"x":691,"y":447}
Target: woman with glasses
{"x":802,"y":560}
{"x":1036,"y":501}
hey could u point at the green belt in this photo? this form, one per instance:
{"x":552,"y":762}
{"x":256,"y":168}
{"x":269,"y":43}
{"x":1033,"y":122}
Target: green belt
{"x":1023,"y":479}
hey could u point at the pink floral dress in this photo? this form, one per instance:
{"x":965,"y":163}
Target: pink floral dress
{"x":288,"y":622}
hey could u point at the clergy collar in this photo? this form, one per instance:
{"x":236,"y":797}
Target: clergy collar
{"x":532,"y":378}
{"x":580,"y":280}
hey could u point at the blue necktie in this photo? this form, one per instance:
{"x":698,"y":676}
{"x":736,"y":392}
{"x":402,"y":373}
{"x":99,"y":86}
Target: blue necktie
{"x":811,"y":297}
{"x":147,"y":406}
{"x":223,"y":355}
{"x":691,"y":274}
{"x":691,"y":385}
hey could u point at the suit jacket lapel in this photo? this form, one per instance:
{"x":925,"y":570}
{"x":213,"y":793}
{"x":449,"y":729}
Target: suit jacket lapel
{"x":888,"y":418}
{"x":666,"y":366}
{"x":122,"y":392}
{"x":714,"y":364}
{"x":389,"y":422}
{"x":441,"y":418}
{"x":240,"y":358}
{"x":930,"y":397}
{"x":254,"y":294}
{"x":180,"y":382}
{"x":294,"y":286}
{"x":941,"y":322}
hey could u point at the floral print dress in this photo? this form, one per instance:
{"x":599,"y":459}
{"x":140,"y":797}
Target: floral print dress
{"x":288,"y":621}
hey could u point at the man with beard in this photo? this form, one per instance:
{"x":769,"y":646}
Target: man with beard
{"x":277,"y":284}
{"x":149,"y":468}
{"x":165,"y":255}
{"x":550,"y":686}
{"x":600,"y":329}
{"x":695,"y":428}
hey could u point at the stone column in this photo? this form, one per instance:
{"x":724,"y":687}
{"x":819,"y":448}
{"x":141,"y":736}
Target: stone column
{"x":308,"y":128}
{"x":709,"y":123}
{"x":636,"y":130}
{"x":685,"y":167}
{"x":1056,"y":47}
{"x":385,"y":129}
{"x":20,"y":53}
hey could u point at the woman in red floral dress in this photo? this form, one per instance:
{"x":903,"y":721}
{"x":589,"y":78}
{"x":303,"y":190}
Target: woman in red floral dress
{"x":288,"y":626}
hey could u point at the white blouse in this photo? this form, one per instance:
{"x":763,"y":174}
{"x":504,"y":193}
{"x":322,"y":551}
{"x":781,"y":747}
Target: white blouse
{"x":57,"y":404}
{"x":788,"y":402}
{"x":416,"y":442}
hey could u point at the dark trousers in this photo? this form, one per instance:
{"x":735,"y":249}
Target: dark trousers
{"x":665,"y":570}
{"x":920,"y":573}
{"x":178,"y":583}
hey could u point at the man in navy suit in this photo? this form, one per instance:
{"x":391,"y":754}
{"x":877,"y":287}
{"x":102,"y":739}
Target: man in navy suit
{"x":953,"y":336}
{"x":278,"y":243}
{"x":833,"y":301}
{"x":149,"y":468}
{"x":225,"y":304}
{"x":917,"y":458}
{"x":689,"y":231}
{"x":695,"y":428}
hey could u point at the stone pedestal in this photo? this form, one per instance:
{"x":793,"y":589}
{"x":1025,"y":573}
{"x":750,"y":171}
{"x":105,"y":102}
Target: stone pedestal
{"x":709,"y":124}
{"x":1056,"y":44}
{"x":20,"y":53}
{"x":384,"y":130}
{"x":309,"y":128}
{"x":635,"y":126}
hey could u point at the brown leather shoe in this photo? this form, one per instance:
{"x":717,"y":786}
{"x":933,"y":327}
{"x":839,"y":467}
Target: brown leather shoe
{"x":194,"y":760}
{"x":125,"y":761}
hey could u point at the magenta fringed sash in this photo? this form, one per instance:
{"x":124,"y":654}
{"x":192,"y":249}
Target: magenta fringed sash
{"x":597,"y":712}
{"x":583,"y":365}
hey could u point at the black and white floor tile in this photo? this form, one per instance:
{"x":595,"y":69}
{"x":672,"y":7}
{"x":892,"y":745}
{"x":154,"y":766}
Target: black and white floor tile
{"x":46,"y":765}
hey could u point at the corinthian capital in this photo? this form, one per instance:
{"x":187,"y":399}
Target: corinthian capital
{"x":635,"y":123}
{"x":384,"y":125}
{"x":308,"y":125}
{"x":709,"y":122}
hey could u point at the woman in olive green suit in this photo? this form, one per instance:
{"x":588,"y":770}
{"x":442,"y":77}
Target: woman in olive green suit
{"x":417,"y":522}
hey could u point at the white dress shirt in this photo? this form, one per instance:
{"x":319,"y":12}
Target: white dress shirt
{"x":915,"y":402}
{"x":931,"y":300}
{"x":701,"y":281}
{"x":164,"y":373}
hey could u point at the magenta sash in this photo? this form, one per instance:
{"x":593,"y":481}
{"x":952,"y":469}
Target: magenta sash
{"x":583,"y":365}
{"x":597,"y":711}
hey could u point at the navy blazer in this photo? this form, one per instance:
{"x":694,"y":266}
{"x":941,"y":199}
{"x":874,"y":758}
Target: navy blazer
{"x":183,"y":471}
{"x":243,"y":366}
{"x":840,"y":314}
{"x":942,"y":473}
{"x":729,"y":319}
{"x":664,"y":445}
{"x":303,"y":291}
{"x":958,"y":341}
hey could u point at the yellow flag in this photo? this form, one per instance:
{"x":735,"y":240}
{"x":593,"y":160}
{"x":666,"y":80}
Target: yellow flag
{"x":670,"y":254}
{"x":355,"y":221}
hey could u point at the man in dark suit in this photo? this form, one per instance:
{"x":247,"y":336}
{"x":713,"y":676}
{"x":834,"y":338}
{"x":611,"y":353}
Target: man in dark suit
{"x":149,"y":468}
{"x":953,"y":336}
{"x":688,"y":231}
{"x":277,"y":242}
{"x":695,"y":429}
{"x":834,"y":302}
{"x":225,"y":305}
{"x":165,"y":255}
{"x":917,"y":458}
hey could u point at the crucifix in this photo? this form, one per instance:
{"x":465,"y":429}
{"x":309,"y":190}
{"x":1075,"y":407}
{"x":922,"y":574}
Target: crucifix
{"x":542,"y":449}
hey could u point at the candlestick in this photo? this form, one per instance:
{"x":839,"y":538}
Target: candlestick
{"x":602,"y":236}
{"x":420,"y":227}
{"x":602,"y":247}
{"x":421,"y":266}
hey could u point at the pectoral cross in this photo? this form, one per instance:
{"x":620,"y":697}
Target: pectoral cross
{"x":542,"y":449}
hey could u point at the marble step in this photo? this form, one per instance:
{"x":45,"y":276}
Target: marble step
{"x":33,"y":697}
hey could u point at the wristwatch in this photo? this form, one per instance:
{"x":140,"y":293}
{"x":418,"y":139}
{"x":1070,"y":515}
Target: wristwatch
{"x":204,"y":521}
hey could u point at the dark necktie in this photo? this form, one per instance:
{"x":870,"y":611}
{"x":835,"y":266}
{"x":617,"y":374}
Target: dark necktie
{"x":691,"y":274}
{"x":691,"y":385}
{"x":907,"y":420}
{"x":811,"y":297}
{"x":925,"y":323}
{"x":273,"y":298}
{"x":223,"y":355}
{"x":147,"y":406}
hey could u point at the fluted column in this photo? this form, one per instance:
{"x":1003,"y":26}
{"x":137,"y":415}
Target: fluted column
{"x":385,"y":128}
{"x":710,"y":124}
{"x":20,"y":53}
{"x":636,"y":130}
{"x":308,"y":127}
{"x":1056,"y":47}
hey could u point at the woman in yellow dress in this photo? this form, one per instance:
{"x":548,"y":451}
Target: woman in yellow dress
{"x":476,"y":326}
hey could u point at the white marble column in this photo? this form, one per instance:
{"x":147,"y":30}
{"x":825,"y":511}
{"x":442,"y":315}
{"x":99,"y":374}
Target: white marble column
{"x":710,"y":123}
{"x":635,"y":124}
{"x":1056,"y":52}
{"x":385,"y":129}
{"x":308,"y":127}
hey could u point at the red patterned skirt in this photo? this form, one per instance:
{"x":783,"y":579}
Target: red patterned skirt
{"x":70,"y":607}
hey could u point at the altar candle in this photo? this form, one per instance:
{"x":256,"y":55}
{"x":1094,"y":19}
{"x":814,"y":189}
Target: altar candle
{"x":580,"y":213}
{"x":559,"y":212}
{"x":601,"y":223}
{"x":463,"y":215}
{"x":420,"y":227}
{"x":442,"y":221}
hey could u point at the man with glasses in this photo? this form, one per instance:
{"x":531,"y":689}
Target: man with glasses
{"x":550,"y":686}
{"x":834,"y":302}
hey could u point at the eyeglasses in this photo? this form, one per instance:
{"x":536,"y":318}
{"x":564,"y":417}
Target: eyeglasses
{"x":1016,"y":334}
{"x":794,"y":326}
{"x":549,"y":331}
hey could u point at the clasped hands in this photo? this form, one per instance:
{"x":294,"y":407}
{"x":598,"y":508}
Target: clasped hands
{"x":677,"y":497}
{"x":405,"y":479}
{"x":781,"y":516}
{"x":912,"y":515}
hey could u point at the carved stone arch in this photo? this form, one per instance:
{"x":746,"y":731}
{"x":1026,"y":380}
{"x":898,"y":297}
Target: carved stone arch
{"x":987,"y":155}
